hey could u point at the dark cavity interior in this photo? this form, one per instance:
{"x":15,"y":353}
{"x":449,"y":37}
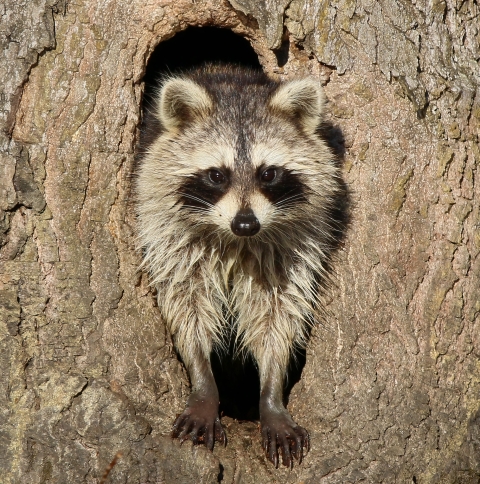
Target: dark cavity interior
{"x":236,"y":376}
{"x":194,"y":47}
{"x":239,"y":384}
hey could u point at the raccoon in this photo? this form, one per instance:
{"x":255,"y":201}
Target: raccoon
{"x":235,"y":197}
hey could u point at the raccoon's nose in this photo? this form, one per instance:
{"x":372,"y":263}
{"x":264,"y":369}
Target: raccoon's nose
{"x":245,"y":224}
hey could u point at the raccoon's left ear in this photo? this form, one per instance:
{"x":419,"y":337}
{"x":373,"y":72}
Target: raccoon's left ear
{"x":181,"y":101}
{"x":302,"y":98}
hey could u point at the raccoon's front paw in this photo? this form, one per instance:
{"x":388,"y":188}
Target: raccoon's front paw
{"x":281,"y":434}
{"x":200,"y":423}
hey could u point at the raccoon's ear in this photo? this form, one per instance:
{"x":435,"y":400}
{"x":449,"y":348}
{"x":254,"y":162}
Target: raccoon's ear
{"x":182,"y":101}
{"x":302,"y":98}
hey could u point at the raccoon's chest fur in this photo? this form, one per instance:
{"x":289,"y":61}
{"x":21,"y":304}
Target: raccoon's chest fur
{"x":244,"y":263}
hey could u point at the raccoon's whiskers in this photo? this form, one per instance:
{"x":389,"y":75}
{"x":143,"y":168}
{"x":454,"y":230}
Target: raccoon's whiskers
{"x":283,"y":201}
{"x":207,"y":204}
{"x":197,"y":199}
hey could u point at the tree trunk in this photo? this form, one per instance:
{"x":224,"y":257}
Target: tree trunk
{"x":390,"y":389}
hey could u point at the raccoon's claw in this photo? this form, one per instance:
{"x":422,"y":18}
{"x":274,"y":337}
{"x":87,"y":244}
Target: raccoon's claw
{"x":200,"y":424}
{"x":280,"y":436}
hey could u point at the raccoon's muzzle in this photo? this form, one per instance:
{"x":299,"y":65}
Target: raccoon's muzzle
{"x":245,"y":224}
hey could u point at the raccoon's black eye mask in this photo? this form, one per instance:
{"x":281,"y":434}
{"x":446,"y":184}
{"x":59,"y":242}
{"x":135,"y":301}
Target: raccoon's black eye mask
{"x":278,"y":185}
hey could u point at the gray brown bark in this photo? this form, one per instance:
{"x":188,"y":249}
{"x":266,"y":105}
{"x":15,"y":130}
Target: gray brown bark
{"x":390,"y":390}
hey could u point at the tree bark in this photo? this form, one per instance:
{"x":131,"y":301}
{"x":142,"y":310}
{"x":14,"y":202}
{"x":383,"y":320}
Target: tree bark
{"x":390,"y":390}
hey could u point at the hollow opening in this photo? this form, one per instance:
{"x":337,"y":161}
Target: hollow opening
{"x":194,"y":47}
{"x":236,"y":375}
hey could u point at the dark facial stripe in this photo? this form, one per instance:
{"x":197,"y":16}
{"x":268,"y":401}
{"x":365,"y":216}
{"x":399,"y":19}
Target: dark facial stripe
{"x":286,"y":187}
{"x":199,"y":192}
{"x":242,"y":152}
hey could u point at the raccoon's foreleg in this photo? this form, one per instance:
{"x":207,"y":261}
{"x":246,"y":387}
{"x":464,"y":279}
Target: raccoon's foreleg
{"x":193,"y":320}
{"x":280,"y":434}
{"x":200,"y":421}
{"x":270,"y":328}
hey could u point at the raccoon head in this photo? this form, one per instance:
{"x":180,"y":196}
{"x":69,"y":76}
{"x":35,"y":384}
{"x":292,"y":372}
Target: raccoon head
{"x":241,"y":151}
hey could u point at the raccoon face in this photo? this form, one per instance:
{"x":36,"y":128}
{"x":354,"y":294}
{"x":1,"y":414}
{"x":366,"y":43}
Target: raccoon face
{"x":246,"y":198}
{"x":241,"y":158}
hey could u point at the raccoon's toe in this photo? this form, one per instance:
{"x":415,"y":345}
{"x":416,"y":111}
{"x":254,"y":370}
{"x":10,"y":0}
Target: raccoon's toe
{"x":199,"y":428}
{"x":280,"y":437}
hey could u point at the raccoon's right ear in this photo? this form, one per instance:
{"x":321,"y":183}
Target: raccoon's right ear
{"x":301,"y":98}
{"x":181,"y":101}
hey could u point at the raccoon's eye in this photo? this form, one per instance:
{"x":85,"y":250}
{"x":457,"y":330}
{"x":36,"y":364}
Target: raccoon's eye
{"x":216,"y":177}
{"x":269,"y":175}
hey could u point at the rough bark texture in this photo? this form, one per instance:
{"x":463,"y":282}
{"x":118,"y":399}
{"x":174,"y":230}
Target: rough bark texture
{"x":390,"y":390}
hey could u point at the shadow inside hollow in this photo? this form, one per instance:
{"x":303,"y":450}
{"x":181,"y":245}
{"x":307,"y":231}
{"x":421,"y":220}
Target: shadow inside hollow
{"x":341,"y":210}
{"x":194,"y":47}
{"x":238,"y":384}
